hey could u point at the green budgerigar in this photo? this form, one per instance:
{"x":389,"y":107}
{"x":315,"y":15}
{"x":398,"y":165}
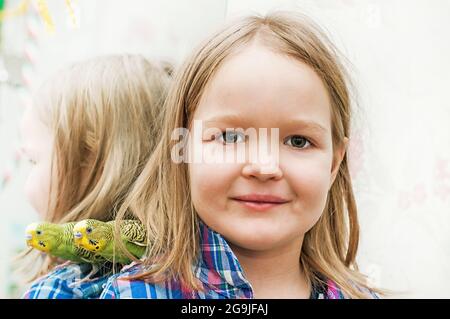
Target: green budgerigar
{"x":57,"y":240}
{"x":98,"y":237}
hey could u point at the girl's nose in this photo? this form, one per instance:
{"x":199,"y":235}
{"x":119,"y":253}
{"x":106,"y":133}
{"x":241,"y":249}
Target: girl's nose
{"x":262,"y":171}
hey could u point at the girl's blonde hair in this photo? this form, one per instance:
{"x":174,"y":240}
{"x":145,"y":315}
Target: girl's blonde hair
{"x":161,"y":196}
{"x":104,"y":114}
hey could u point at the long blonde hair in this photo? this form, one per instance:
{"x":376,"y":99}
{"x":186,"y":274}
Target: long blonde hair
{"x":161,"y":196}
{"x":104,"y":114}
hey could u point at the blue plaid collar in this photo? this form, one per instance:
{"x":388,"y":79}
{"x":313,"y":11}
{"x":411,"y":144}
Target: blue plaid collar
{"x":218,"y":265}
{"x":220,"y":269}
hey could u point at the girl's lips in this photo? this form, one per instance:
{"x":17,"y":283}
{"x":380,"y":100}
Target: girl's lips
{"x":260,"y":202}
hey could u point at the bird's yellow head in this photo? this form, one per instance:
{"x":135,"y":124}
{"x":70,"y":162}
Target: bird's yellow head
{"x":38,"y":236}
{"x":88,"y":235}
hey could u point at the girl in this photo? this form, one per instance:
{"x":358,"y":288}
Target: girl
{"x":279,"y":226}
{"x":92,"y":130}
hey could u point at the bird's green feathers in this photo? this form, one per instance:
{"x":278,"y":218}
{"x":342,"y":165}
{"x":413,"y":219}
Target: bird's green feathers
{"x":91,"y":241}
{"x":99,"y":237}
{"x":57,"y":240}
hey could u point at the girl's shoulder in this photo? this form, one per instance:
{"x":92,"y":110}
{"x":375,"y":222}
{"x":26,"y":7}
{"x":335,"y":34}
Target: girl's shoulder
{"x":120,"y":286}
{"x":370,"y":294}
{"x":330,"y":290}
{"x":64,"y":283}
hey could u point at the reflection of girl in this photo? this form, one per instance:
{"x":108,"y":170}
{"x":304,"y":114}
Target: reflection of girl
{"x":282,"y":228}
{"x":93,"y":127}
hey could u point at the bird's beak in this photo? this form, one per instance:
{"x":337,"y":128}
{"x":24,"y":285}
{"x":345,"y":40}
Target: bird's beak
{"x":29,"y":239}
{"x":78,"y":238}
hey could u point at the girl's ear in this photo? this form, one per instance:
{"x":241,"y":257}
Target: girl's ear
{"x":338,"y":156}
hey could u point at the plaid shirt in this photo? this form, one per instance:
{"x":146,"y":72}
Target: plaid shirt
{"x":58,"y":284}
{"x":218,"y":270}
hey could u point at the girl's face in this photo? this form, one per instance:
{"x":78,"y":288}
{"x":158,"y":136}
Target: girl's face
{"x":265,"y":203}
{"x":37,"y":147}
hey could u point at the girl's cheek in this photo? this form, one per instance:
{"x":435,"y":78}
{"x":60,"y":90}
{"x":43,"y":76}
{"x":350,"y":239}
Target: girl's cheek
{"x":211,"y":180}
{"x":309,"y":177}
{"x":37,"y":189}
{"x":34,"y":194}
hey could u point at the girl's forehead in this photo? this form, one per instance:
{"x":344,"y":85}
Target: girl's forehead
{"x":258,"y":83}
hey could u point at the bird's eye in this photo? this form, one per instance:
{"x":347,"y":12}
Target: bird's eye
{"x":89,"y":230}
{"x":38,"y":232}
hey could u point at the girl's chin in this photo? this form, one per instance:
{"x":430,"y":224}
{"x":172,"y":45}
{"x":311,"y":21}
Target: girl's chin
{"x":253,"y":246}
{"x":244,"y":239}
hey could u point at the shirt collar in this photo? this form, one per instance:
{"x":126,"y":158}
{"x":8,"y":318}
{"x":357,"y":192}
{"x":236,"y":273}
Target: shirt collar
{"x":220,"y":268}
{"x":218,"y":264}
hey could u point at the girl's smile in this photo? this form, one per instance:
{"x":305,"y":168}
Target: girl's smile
{"x":260,"y":202}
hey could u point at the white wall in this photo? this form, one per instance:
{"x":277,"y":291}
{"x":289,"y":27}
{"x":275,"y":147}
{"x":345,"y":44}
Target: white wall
{"x":400,"y":147}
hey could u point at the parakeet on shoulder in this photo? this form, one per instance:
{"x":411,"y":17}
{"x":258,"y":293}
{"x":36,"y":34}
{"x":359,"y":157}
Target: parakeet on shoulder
{"x":57,"y":240}
{"x":98,"y":237}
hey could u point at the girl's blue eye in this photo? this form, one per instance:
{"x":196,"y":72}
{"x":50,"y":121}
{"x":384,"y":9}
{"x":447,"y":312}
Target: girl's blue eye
{"x":231,"y":137}
{"x":297,"y":141}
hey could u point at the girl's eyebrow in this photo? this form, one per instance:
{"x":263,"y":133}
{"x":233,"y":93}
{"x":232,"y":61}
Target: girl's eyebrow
{"x":225,"y":118}
{"x":298,"y":123}
{"x":307,"y":125}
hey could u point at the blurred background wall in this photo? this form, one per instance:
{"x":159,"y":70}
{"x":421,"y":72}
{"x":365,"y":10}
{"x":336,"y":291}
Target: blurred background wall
{"x":397,"y":53}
